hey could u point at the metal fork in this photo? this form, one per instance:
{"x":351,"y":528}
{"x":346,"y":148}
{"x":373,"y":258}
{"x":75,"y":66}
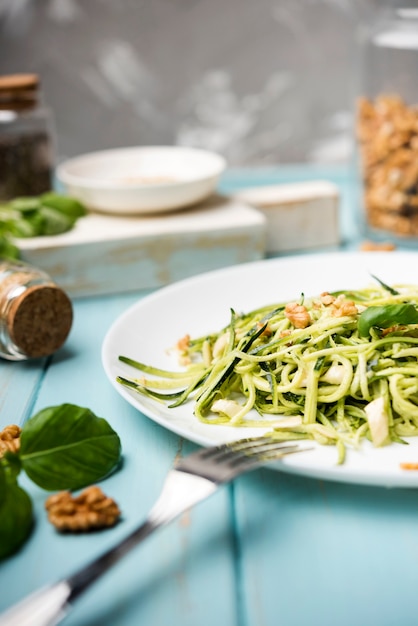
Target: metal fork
{"x":192,"y":480}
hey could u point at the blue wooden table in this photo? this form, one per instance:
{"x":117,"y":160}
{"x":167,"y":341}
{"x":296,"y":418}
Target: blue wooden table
{"x":272,"y":549}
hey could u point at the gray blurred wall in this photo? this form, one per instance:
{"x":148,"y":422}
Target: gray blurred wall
{"x":260,"y":81}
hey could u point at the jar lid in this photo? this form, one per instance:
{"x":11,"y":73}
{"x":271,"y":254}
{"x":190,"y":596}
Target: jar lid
{"x":16,"y":82}
{"x":39,"y":320}
{"x":18,"y":90}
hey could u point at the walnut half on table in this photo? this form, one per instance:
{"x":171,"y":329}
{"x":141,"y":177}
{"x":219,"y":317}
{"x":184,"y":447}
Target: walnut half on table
{"x":91,"y":510}
{"x":10,"y":439}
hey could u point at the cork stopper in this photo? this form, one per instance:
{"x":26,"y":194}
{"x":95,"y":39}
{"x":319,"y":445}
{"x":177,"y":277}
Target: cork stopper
{"x":39,"y":320}
{"x":18,"y":91}
{"x":18,"y":82}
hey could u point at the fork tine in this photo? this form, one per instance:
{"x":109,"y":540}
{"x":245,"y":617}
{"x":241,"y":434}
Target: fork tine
{"x":227,"y":461}
{"x":244,"y":448}
{"x":262,"y":455}
{"x":240,"y":445}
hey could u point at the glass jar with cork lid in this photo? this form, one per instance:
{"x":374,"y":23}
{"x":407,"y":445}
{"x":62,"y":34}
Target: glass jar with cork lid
{"x":387,"y":126}
{"x":36,"y":315}
{"x":26,"y":138}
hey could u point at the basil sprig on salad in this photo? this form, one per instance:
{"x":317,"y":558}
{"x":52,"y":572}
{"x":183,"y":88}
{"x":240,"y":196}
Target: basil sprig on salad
{"x":62,"y":447}
{"x":386,"y":316}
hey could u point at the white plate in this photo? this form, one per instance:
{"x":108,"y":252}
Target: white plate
{"x":202,"y":304}
{"x":144,"y":179}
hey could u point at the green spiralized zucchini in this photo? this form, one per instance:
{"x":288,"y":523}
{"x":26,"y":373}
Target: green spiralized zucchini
{"x":345,"y":370}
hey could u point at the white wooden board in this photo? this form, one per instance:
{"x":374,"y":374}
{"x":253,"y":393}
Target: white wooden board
{"x":300,"y":216}
{"x":106,"y":254}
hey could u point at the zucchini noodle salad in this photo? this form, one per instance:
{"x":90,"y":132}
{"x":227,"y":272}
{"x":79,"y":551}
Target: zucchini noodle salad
{"x":337,"y":368}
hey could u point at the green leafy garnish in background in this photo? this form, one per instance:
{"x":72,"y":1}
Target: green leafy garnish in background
{"x":47,"y":214}
{"x":61,"y":447}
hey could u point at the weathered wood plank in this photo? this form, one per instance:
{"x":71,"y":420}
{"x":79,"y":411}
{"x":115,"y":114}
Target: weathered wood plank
{"x":107,"y":254}
{"x":316,"y":552}
{"x":177,"y":575}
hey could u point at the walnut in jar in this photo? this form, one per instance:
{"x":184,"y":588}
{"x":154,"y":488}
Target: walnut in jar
{"x":387,"y":133}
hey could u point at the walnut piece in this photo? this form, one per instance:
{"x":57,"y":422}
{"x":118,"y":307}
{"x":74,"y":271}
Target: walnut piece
{"x":10,"y":439}
{"x":182,"y":346}
{"x":408,"y":466}
{"x":297,"y":314}
{"x":266,"y":332}
{"x":341,"y":307}
{"x":183,"y":343}
{"x":327,"y":298}
{"x":91,"y":510}
{"x":373,"y":246}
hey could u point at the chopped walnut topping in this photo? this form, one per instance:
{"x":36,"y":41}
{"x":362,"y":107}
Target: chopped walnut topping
{"x":92,"y":509}
{"x":9,"y":439}
{"x":182,"y":346}
{"x":183,"y":343}
{"x":341,"y":307}
{"x":327,"y":298}
{"x":372,"y":246}
{"x":408,"y":466}
{"x":297,"y":314}
{"x":392,"y":329}
{"x":266,"y":332}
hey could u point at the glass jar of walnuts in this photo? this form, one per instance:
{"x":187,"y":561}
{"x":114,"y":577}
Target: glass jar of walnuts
{"x":387,"y":126}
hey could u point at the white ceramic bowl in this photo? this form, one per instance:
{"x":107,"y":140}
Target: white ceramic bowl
{"x":143,"y":179}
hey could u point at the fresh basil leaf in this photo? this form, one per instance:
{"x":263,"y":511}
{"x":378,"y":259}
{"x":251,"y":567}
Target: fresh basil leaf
{"x":386,"y":316}
{"x":32,"y":225}
{"x":12,"y":464}
{"x":7,"y":215}
{"x":7,"y":249}
{"x":55,"y":222}
{"x":25,"y":204}
{"x":3,"y":485}
{"x":16,"y":516}
{"x":64,"y":204}
{"x":48,"y":214}
{"x":68,"y":447}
